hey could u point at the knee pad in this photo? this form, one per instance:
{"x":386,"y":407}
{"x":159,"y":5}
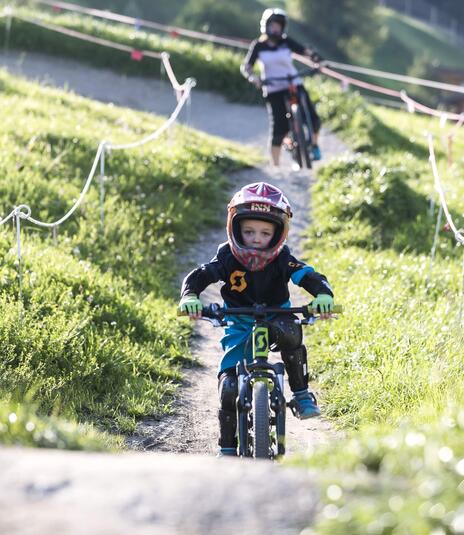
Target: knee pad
{"x":228,"y":390}
{"x":227,"y":429}
{"x":285,"y":334}
{"x":296,"y":364}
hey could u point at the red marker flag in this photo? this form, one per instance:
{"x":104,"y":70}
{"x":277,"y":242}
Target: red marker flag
{"x":174,"y":33}
{"x":137,"y":55}
{"x":56,"y":9}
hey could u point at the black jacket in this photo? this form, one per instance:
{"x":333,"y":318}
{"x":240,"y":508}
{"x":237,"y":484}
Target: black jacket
{"x":244,"y":288}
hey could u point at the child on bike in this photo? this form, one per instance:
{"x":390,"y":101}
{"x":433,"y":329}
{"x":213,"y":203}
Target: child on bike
{"x":273,"y":49}
{"x":255,"y":266}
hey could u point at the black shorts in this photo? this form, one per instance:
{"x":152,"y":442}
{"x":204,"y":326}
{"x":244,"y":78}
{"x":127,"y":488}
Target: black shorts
{"x":278,"y":121}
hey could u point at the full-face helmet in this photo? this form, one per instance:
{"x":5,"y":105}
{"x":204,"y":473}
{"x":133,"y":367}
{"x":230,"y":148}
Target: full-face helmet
{"x":273,"y":15}
{"x":261,"y":201}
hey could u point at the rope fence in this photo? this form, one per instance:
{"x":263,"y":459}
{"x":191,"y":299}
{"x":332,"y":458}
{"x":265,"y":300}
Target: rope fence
{"x":23,"y":212}
{"x":443,"y":209}
{"x":173,"y":31}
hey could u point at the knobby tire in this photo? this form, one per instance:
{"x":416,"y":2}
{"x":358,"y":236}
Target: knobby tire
{"x":300,"y":146}
{"x":261,"y":441}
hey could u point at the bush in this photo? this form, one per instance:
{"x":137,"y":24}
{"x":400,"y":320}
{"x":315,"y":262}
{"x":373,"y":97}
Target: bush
{"x":363,"y":201}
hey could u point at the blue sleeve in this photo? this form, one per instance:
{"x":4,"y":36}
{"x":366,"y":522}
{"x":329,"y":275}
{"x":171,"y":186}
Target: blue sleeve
{"x":296,"y":276}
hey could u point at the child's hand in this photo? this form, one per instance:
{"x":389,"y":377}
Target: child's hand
{"x":323,"y":304}
{"x":191,"y":304}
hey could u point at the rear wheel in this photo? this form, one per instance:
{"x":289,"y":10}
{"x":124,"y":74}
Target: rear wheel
{"x":300,"y":145}
{"x":261,"y":441}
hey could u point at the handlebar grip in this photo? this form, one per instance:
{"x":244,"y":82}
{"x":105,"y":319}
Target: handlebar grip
{"x":336,"y":309}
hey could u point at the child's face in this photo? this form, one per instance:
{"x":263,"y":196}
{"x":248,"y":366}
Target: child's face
{"x":257,"y":234}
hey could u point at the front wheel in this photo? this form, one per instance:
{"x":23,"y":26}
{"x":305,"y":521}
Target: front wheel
{"x":261,"y":441}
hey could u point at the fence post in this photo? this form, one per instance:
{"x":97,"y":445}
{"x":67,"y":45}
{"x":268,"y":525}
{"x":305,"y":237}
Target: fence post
{"x":461,"y":306}
{"x":434,"y":246}
{"x":102,"y":188}
{"x":18,"y":251}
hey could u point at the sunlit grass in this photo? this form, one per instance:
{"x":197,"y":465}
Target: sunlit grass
{"x":390,"y":369}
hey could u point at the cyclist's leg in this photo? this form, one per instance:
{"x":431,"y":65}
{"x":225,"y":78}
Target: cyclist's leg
{"x":278,"y":123}
{"x":287,"y":337}
{"x":236,"y":345}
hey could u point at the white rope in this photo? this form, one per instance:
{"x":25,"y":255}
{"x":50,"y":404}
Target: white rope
{"x":165,"y":58}
{"x":458,"y":235}
{"x":85,"y":189}
{"x":394,"y":76}
{"x":85,"y":37}
{"x":8,"y":217}
{"x":173,"y":30}
{"x":185,"y":95}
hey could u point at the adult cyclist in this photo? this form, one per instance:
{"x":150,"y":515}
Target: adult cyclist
{"x":273,"y":50}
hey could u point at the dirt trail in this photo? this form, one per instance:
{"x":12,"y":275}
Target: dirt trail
{"x":171,"y":493}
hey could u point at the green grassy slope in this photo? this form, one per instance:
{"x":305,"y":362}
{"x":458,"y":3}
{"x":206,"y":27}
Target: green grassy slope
{"x":214,"y":68}
{"x":98,"y":339}
{"x":390,"y":368}
{"x":408,"y":38}
{"x":409,"y":46}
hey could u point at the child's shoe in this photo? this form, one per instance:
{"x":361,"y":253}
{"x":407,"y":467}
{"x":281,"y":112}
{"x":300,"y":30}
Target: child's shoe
{"x":316,"y":152}
{"x":304,"y":405}
{"x":227,"y":452}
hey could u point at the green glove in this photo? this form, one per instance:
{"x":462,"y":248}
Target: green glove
{"x":324,"y":302}
{"x":191,"y":304}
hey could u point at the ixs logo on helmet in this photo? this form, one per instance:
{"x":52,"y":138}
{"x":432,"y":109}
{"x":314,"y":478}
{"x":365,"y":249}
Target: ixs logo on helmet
{"x":260,"y":207}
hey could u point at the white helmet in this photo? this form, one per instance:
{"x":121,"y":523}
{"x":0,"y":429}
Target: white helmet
{"x":273,"y":15}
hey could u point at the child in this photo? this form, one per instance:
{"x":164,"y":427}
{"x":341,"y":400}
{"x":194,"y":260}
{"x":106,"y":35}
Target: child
{"x":273,"y":52}
{"x":255,"y":266}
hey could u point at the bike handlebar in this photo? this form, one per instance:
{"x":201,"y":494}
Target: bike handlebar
{"x":290,"y":77}
{"x":215,"y":311}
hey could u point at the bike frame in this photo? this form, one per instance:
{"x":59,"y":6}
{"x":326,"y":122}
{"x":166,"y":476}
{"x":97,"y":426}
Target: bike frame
{"x":300,"y":126}
{"x":298,"y":114}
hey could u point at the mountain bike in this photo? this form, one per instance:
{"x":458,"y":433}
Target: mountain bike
{"x":261,"y":403}
{"x":301,"y":128}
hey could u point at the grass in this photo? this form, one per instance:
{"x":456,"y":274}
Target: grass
{"x":98,"y":340}
{"x":214,"y":68}
{"x":390,"y":369}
